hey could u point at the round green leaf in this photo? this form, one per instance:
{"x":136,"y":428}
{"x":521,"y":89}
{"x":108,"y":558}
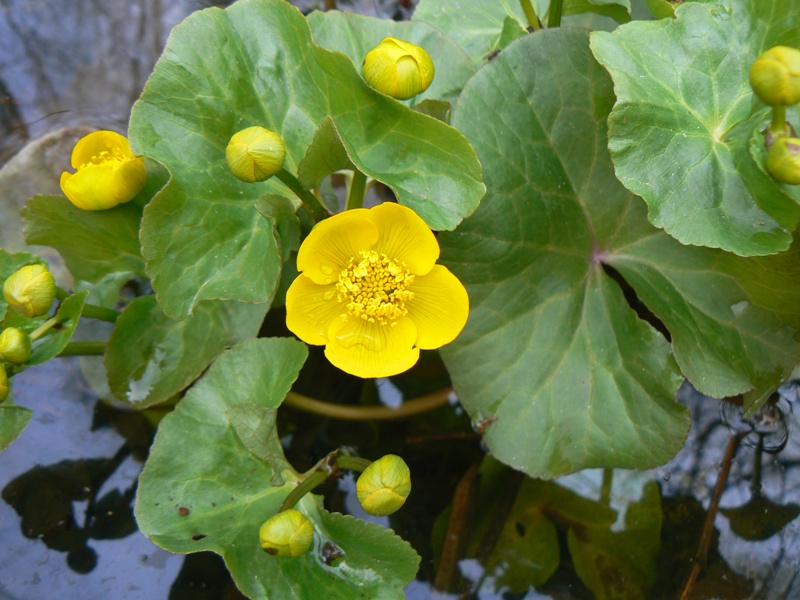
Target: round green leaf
{"x":679,"y":133}
{"x":354,"y":35}
{"x":555,"y":365}
{"x":13,"y":420}
{"x":255,"y":64}
{"x":150,"y":357}
{"x":202,"y":489}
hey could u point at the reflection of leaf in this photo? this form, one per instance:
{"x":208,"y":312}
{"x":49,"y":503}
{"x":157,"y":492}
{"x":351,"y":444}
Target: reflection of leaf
{"x":201,"y":236}
{"x":760,"y":519}
{"x":621,"y":564}
{"x":112,"y":516}
{"x":679,"y":133}
{"x":150,"y":357}
{"x":202,"y":489}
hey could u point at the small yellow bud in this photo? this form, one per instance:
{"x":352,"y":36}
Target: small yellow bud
{"x":107,"y":172}
{"x":255,"y":154}
{"x":398,"y":69}
{"x":3,"y":383}
{"x":30,"y":290}
{"x":15,"y":346}
{"x":783,"y":160}
{"x":286,"y":535}
{"x":775,"y":76}
{"x":384,"y":485}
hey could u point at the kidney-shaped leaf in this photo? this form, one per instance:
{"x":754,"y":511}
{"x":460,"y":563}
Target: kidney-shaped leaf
{"x":202,"y":489}
{"x":255,"y":64}
{"x":680,"y":131}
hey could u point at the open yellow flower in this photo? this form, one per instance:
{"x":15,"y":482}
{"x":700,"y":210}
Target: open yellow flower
{"x":370,"y":292}
{"x":107,"y":172}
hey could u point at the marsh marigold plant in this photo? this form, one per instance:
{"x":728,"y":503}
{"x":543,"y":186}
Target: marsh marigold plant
{"x":370,"y":291}
{"x":107,"y":172}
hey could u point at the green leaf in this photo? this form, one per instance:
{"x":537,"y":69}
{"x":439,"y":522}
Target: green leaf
{"x":619,"y":10}
{"x":355,"y":35}
{"x":13,"y":420}
{"x":255,"y":426}
{"x":566,"y":374}
{"x":201,"y":236}
{"x":325,"y":155}
{"x":510,"y":32}
{"x":282,"y":212}
{"x":199,"y":468}
{"x":680,"y":130}
{"x":661,"y":9}
{"x":621,"y":565}
{"x":92,"y":243}
{"x":438,"y":109}
{"x":49,"y":345}
{"x":150,"y":357}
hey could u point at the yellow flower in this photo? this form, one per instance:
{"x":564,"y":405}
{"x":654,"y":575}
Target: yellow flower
{"x":286,"y":535}
{"x":370,"y":292}
{"x":15,"y":346}
{"x":398,"y":69}
{"x":783,"y":160}
{"x":4,"y":385}
{"x":384,"y":486}
{"x":775,"y":76}
{"x":255,"y":154}
{"x":30,"y":291}
{"x":107,"y":172}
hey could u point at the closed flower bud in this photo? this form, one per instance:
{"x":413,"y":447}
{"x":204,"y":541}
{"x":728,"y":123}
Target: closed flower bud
{"x":15,"y":346}
{"x":107,"y":172}
{"x":30,"y":290}
{"x":384,"y":485}
{"x":775,"y":76}
{"x":255,"y":154}
{"x":398,"y":69}
{"x":3,"y":383}
{"x":286,"y":535}
{"x":783,"y":160}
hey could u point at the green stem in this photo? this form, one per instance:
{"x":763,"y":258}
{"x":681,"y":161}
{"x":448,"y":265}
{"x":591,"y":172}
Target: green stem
{"x":369,"y":413}
{"x":346,"y":462}
{"x":355,"y":197}
{"x":312,"y":203}
{"x":44,"y":328}
{"x":83,"y":349}
{"x":778,"y":124}
{"x":605,"y":487}
{"x":101,"y":313}
{"x":554,"y":18}
{"x":305,"y":486}
{"x":61,"y":294}
{"x":530,"y":14}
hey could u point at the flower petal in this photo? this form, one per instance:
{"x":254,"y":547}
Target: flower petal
{"x":129,"y":179}
{"x":403,"y":235}
{"x":439,"y":308}
{"x":310,"y":310}
{"x":91,"y":188}
{"x":333,"y":242}
{"x":92,"y":145}
{"x":369,"y":349}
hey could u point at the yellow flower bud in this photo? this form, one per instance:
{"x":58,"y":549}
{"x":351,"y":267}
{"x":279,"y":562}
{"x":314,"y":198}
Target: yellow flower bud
{"x":107,"y":172}
{"x":775,"y":76}
{"x":398,"y":69}
{"x":15,"y":346}
{"x":286,"y":535}
{"x":30,"y":290}
{"x":255,"y":154}
{"x":4,"y":386}
{"x":384,"y":485}
{"x":783,"y":160}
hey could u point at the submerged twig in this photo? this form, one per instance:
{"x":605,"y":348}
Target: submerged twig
{"x":408,"y":408}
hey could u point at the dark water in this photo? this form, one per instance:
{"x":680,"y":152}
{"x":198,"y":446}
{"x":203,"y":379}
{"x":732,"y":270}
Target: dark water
{"x":67,"y":483}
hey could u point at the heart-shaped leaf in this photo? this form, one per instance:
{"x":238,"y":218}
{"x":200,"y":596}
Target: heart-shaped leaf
{"x":679,"y":133}
{"x":552,"y":362}
{"x":256,"y":64}
{"x":202,"y":489}
{"x":52,"y":343}
{"x":150,"y":357}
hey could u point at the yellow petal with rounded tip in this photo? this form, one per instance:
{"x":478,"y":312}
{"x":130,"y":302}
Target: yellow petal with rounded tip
{"x":94,"y":144}
{"x":404,"y":236}
{"x":129,"y":179}
{"x":366,"y":349}
{"x":439,"y":308}
{"x":3,"y":384}
{"x":310,"y":310}
{"x":91,"y":188}
{"x":333,"y":242}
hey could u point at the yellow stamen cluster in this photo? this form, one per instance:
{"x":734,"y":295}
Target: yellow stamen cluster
{"x":375,"y":288}
{"x":105,"y":156}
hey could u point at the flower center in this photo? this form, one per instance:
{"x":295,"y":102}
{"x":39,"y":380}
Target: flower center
{"x":114,"y":155}
{"x":374,"y":287}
